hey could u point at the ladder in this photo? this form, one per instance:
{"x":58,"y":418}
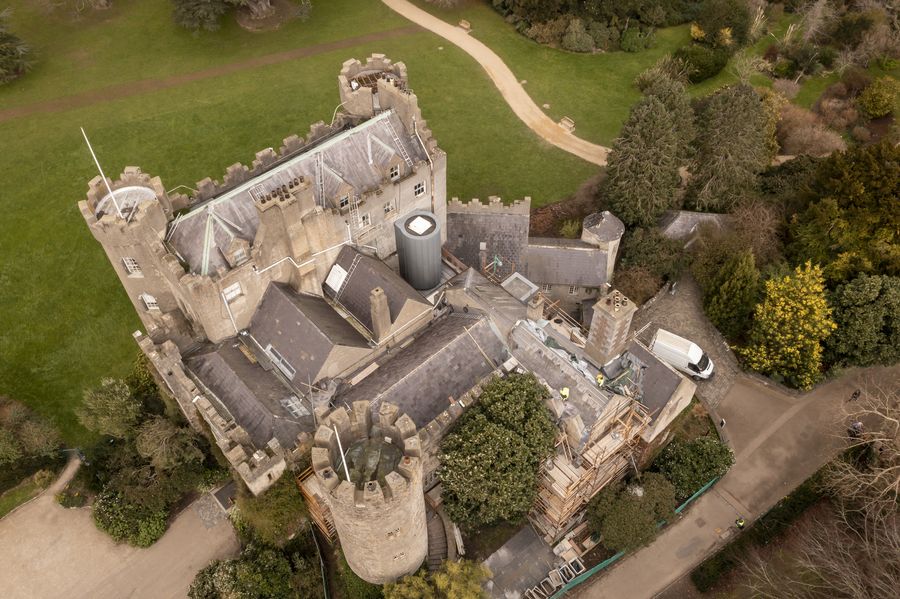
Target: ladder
{"x":354,"y":211}
{"x":400,"y":146}
{"x":320,"y":178}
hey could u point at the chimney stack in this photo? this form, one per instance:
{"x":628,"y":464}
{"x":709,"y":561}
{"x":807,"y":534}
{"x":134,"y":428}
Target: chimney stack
{"x":609,"y":327}
{"x":535,"y":310}
{"x":380,"y":312}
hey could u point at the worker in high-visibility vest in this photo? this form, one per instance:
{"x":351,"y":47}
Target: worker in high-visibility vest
{"x":564,"y":393}
{"x":600,"y":379}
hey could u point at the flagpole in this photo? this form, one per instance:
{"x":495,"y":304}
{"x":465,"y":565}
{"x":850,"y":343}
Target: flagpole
{"x":102,"y":176}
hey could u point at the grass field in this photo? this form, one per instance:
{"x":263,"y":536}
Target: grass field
{"x":64,"y":319}
{"x":17,"y":496}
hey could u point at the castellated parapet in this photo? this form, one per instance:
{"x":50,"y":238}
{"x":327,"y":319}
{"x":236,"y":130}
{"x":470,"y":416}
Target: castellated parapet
{"x":380,"y":512}
{"x":494,"y":205}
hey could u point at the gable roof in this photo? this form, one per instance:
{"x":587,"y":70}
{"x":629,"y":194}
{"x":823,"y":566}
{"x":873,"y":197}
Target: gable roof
{"x":202,"y":235}
{"x":252,"y":395}
{"x":656,"y":380}
{"x":361,"y":275}
{"x":445,"y":361}
{"x":551,"y":261}
{"x":302,"y":328}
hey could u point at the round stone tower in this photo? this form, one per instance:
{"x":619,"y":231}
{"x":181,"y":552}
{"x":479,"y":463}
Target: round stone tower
{"x":375,"y":492}
{"x":366,"y":88}
{"x":604,"y":230}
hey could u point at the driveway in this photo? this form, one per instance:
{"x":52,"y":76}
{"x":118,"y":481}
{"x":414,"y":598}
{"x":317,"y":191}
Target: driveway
{"x":682,"y":313}
{"x":48,"y":551}
{"x":779,"y":441}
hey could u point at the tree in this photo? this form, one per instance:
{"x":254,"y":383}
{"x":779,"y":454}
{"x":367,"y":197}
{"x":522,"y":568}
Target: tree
{"x":867,"y":314}
{"x":462,"y":579}
{"x":789,"y":326}
{"x":851,"y":224}
{"x":257,"y":573}
{"x":731,"y":149}
{"x":627,"y":517}
{"x":128,"y":522}
{"x":489,"y":463}
{"x":642,"y":172}
{"x":733,"y":294}
{"x":110,"y":409}
{"x":199,"y":14}
{"x":650,"y":249}
{"x":9,"y":447}
{"x":576,"y":38}
{"x":673,"y":96}
{"x":880,"y":97}
{"x":166,"y":444}
{"x":38,"y":438}
{"x":718,"y":16}
{"x":276,"y":515}
{"x":690,"y":465}
{"x":15,"y":55}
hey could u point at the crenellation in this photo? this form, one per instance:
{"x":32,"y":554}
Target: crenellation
{"x":494,"y":205}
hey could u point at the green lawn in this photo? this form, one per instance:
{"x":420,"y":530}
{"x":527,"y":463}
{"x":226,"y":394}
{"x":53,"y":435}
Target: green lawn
{"x":64,"y":319}
{"x":17,"y":496}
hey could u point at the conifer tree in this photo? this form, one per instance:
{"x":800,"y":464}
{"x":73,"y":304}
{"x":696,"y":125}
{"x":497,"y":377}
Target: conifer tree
{"x":789,"y":326}
{"x":731,"y":149}
{"x":732,"y":295}
{"x":642,"y":172}
{"x":673,"y":96}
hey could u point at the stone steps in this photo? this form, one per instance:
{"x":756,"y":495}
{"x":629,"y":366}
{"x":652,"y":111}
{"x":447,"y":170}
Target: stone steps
{"x":437,"y":541}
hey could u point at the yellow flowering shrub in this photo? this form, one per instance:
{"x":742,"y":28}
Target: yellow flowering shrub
{"x":697,"y":33}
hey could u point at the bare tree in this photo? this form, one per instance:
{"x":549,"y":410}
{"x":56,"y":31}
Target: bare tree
{"x":816,"y":19}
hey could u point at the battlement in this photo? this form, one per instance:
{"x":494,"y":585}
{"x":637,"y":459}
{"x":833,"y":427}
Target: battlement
{"x":376,"y":66}
{"x":494,"y":205}
{"x":131,"y":189}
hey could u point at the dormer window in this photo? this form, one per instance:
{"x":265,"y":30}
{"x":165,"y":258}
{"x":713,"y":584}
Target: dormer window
{"x":132,"y":267}
{"x":395,"y":172}
{"x":389,"y":207}
{"x":365,"y":220}
{"x":232,"y":292}
{"x":344,"y":201}
{"x":419,"y":189}
{"x":149,"y":301}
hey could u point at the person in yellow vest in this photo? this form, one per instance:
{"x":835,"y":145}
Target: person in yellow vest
{"x":564,"y":393}
{"x":600,"y":379}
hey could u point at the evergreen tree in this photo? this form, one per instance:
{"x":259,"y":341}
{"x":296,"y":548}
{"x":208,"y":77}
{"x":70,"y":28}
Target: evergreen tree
{"x":732,"y":296}
{"x":15,"y":55}
{"x":789,"y":326}
{"x":642,"y":172}
{"x":731,"y":149}
{"x":462,"y":579}
{"x":852,"y":225}
{"x":867,"y":313}
{"x":673,"y":96}
{"x":200,"y":14}
{"x":628,"y":516}
{"x":690,"y":465}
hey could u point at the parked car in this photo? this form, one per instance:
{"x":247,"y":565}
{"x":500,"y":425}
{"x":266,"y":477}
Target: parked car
{"x":682,"y":354}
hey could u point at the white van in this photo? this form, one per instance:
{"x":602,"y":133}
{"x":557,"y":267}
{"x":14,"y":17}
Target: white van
{"x":681,"y":354}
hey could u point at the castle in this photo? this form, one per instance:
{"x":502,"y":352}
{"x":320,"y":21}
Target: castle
{"x":328,"y":302}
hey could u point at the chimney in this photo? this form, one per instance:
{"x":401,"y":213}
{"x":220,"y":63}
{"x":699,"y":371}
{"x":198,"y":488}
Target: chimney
{"x":381,"y":313}
{"x":609,"y":327}
{"x":535,"y":309}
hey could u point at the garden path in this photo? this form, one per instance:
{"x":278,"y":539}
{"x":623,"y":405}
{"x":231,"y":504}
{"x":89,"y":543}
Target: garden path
{"x":506,"y":82}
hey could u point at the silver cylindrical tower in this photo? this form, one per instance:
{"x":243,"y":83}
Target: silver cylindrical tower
{"x":418,"y":236}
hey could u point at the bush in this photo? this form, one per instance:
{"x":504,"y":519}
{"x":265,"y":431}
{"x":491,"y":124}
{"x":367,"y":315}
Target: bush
{"x":199,"y":14}
{"x":718,"y":16}
{"x":800,"y":132}
{"x":837,"y":113}
{"x":128,"y":522}
{"x":733,"y":295}
{"x":15,"y":55}
{"x":276,"y":515}
{"x":604,"y":36}
{"x":353,"y":586}
{"x":861,"y":134}
{"x":549,"y":32}
{"x":706,"y":62}
{"x":650,"y":249}
{"x":878,"y":99}
{"x":627,"y":517}
{"x":786,"y":87}
{"x":576,"y":38}
{"x":638,"y":283}
{"x":856,"y":80}
{"x":73,"y":499}
{"x":571,"y":228}
{"x":690,"y":465}
{"x":634,"y":41}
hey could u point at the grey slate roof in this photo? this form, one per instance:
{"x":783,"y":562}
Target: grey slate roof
{"x":505,"y":235}
{"x":656,"y":380}
{"x":303,"y":328}
{"x":444,"y":361}
{"x":364,"y":274}
{"x":678,"y":224}
{"x":250,"y":394}
{"x":202,"y":235}
{"x":550,"y":261}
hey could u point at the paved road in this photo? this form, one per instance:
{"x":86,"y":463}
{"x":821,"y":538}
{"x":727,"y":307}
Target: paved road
{"x":509,"y":86}
{"x":48,"y":552}
{"x":779,"y":441}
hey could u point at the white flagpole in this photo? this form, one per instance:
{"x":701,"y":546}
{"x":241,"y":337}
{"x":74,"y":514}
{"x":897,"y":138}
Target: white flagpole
{"x":102,"y":176}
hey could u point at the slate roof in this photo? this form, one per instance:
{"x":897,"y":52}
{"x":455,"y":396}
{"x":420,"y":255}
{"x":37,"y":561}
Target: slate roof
{"x":364,"y":274}
{"x":444,"y":361}
{"x":505,"y":235}
{"x":303,"y":328}
{"x":678,"y":224}
{"x":550,"y":261}
{"x":250,"y":394}
{"x":656,"y":380}
{"x":202,"y":235}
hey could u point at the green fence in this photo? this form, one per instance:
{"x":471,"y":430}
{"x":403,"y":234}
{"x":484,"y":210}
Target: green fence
{"x":610,"y":561}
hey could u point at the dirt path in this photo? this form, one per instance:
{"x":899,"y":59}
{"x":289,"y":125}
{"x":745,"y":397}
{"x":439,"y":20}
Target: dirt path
{"x":134,"y":88}
{"x":509,"y":86}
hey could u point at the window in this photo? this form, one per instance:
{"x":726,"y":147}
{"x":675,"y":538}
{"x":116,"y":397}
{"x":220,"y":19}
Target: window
{"x":132,"y":266}
{"x":149,"y":301}
{"x":279,"y":361}
{"x":545,"y":288}
{"x":419,"y":189}
{"x":573,"y":289}
{"x":232,"y":292}
{"x":395,"y":172}
{"x":389,"y":207}
{"x":344,"y":202}
{"x":240,"y":255}
{"x":295,"y":407}
{"x":365,"y":220}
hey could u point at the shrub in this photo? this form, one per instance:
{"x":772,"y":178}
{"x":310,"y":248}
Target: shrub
{"x":787,"y":88}
{"x":856,"y":80}
{"x":15,"y":55}
{"x":800,"y":132}
{"x":571,"y":228}
{"x":576,"y":38}
{"x":733,"y":295}
{"x":549,"y":32}
{"x":861,"y":134}
{"x":690,"y":465}
{"x":276,"y":515}
{"x":848,"y":31}
{"x":128,"y":522}
{"x":867,"y":313}
{"x":71,"y":499}
{"x":837,"y":113}
{"x":878,"y":99}
{"x":633,"y":40}
{"x":637,"y":283}
{"x":199,"y":14}
{"x":705,"y":62}
{"x":650,"y":249}
{"x":717,"y":16}
{"x":628,"y":516}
